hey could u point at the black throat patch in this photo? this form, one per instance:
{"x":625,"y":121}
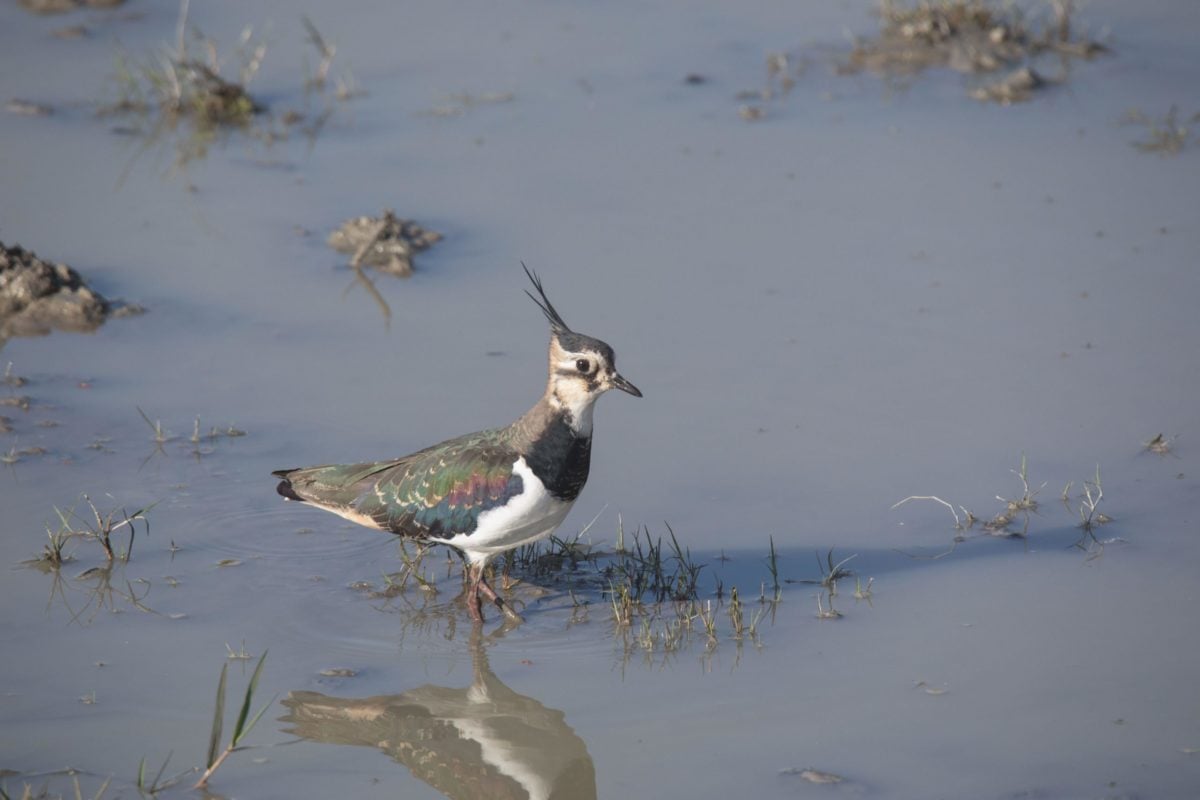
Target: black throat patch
{"x":560,"y":459}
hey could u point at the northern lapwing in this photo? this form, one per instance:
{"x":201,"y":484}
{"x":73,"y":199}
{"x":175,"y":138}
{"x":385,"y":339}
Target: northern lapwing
{"x":488,"y":492}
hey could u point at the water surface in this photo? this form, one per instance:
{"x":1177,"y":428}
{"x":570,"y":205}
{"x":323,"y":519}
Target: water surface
{"x":871,"y":293}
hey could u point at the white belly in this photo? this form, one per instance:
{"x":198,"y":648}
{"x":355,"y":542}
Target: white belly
{"x":526,"y":518}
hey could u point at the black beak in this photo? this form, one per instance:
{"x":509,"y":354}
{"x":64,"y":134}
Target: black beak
{"x":625,"y":386}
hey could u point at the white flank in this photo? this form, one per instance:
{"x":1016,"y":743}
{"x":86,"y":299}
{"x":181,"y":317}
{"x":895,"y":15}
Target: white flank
{"x":529,"y":516}
{"x":352,"y":514}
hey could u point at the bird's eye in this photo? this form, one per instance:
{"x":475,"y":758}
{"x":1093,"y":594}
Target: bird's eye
{"x":583,"y":365}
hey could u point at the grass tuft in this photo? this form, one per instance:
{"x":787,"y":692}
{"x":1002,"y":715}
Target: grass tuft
{"x":1023,"y":507}
{"x":241,"y":728}
{"x":99,"y":527}
{"x":193,"y":90}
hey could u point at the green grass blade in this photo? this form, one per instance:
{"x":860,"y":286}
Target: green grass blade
{"x":239,"y":728}
{"x":161,"y":770}
{"x":254,"y":720}
{"x":214,"y":741}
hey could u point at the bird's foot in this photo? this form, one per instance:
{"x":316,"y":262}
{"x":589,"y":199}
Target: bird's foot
{"x":490,"y":594}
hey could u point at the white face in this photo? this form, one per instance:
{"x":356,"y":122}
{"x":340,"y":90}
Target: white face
{"x":579,"y":377}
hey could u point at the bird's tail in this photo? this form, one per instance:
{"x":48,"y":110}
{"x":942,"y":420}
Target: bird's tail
{"x":285,"y":485}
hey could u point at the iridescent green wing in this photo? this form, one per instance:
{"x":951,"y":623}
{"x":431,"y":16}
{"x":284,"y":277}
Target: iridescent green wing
{"x":438,"y":492}
{"x":441,"y":491}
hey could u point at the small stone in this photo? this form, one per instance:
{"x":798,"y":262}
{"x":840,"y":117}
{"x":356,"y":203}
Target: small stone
{"x":27,"y":108}
{"x":813,"y":775}
{"x":71,"y":32}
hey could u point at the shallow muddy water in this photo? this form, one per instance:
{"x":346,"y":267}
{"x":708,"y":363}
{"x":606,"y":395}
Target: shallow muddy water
{"x":872,"y":292}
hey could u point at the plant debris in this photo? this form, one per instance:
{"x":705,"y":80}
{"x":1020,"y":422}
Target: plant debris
{"x":1167,"y":136}
{"x":1016,"y":87}
{"x":459,"y":104}
{"x":200,"y":101}
{"x":338,"y":672}
{"x":37,"y":297}
{"x":177,"y":88}
{"x":1160,"y":444}
{"x":27,"y":108}
{"x":386,"y":243}
{"x":971,"y":37}
{"x":64,"y":6}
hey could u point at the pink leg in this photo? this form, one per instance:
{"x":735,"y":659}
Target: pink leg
{"x":490,"y":594}
{"x":474,"y":604}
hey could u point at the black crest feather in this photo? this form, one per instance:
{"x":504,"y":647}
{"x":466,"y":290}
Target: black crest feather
{"x":556,"y":321}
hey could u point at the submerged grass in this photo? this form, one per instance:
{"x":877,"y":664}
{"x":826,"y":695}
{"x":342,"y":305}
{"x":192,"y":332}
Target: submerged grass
{"x":44,"y":793}
{"x":215,"y":756}
{"x":161,"y":436}
{"x":656,"y":596}
{"x":190,"y":89}
{"x":100,"y":527}
{"x":1024,"y":508}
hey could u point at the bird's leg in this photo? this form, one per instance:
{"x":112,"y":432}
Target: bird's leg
{"x":490,"y":594}
{"x":474,"y":604}
{"x":471,"y":574}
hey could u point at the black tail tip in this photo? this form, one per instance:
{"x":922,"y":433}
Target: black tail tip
{"x":285,"y":486}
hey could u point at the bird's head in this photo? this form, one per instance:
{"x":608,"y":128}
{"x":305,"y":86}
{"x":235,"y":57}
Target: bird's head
{"x":581,"y":368}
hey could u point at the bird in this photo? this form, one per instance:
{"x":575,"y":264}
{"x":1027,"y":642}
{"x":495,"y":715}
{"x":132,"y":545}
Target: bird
{"x":487,"y":492}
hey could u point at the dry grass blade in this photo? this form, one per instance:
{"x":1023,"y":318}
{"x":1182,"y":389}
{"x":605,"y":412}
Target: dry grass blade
{"x":326,"y":50}
{"x":957,"y":522}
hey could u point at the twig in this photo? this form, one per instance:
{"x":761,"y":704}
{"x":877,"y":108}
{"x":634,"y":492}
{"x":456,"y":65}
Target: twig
{"x":957,"y":522}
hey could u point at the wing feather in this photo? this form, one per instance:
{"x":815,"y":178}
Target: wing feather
{"x":438,"y":492}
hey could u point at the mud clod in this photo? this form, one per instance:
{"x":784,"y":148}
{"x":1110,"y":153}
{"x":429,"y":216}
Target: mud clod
{"x":386,"y":243}
{"x":37,"y":297}
{"x":1016,"y":87}
{"x":972,"y":37}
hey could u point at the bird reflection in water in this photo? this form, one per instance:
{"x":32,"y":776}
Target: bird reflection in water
{"x":484,"y":740}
